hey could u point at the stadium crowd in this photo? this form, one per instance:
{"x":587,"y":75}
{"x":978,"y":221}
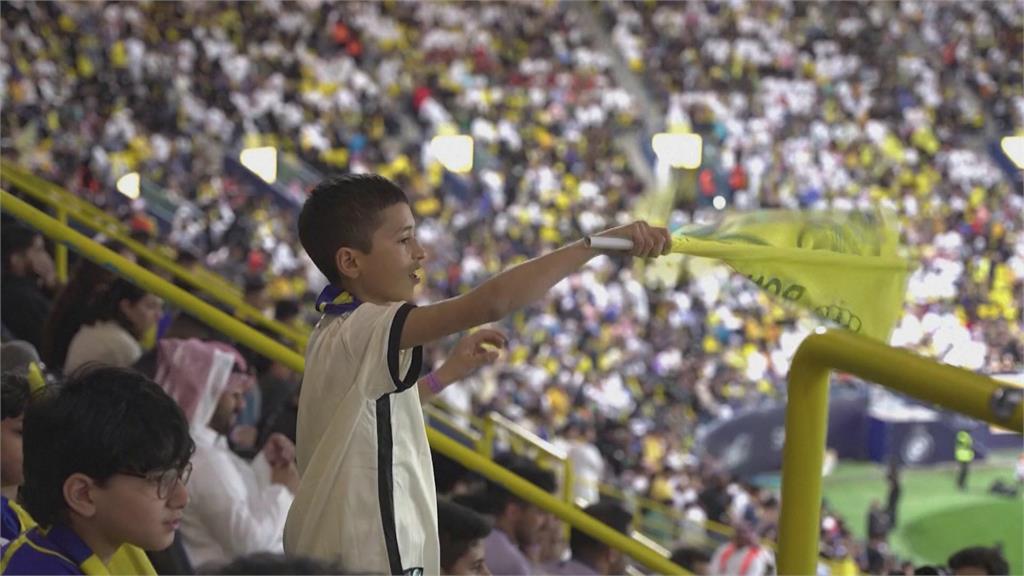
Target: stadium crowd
{"x":798,"y":108}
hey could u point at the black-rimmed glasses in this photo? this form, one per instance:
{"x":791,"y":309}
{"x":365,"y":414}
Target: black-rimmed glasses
{"x":165,"y":480}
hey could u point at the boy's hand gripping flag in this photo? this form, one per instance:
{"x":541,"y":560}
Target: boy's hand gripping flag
{"x":843,"y":266}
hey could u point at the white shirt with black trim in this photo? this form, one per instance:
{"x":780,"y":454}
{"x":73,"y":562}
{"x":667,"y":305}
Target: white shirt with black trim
{"x":367,"y":499}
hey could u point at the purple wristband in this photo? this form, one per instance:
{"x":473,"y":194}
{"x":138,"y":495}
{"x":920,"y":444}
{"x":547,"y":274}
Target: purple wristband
{"x":433,"y":383}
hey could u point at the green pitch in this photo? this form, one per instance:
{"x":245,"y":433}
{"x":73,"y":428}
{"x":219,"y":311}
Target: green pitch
{"x":934,"y":519}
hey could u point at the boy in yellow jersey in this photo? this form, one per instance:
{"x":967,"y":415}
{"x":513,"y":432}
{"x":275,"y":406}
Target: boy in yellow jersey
{"x":106,"y":458}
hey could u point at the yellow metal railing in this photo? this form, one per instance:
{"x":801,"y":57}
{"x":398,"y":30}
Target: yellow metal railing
{"x":642,"y":504}
{"x":807,"y":420}
{"x":545,"y":452}
{"x":484,"y":433}
{"x":567,"y":512}
{"x":235,"y":329}
{"x":66,"y":205}
{"x":221,"y":321}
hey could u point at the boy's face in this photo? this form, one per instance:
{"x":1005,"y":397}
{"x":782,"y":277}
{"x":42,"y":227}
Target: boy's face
{"x":391,"y":271}
{"x":10,"y":451}
{"x":129,"y":509}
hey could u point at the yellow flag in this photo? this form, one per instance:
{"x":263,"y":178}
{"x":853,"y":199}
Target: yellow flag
{"x":843,"y":266}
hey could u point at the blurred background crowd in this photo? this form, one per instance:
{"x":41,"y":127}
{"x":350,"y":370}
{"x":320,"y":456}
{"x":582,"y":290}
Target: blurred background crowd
{"x":806,"y":106}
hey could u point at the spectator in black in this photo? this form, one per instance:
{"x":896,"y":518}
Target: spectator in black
{"x":29,"y":276}
{"x":978,"y":560}
{"x":878,"y":521}
{"x":895,"y":489}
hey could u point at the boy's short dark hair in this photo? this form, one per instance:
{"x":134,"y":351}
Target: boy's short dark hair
{"x":102,"y":421}
{"x":613,"y":515}
{"x":344,"y":211}
{"x":457,"y":528}
{"x":979,"y":557}
{"x":15,"y":394}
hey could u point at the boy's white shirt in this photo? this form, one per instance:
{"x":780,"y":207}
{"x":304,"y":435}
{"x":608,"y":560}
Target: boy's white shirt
{"x":337,"y":514}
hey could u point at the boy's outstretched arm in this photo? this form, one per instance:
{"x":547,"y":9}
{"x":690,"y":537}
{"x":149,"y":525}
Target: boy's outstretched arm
{"x":520,"y":286}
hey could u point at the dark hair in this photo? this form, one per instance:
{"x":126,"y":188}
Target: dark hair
{"x":71,"y":310}
{"x":610,"y":513}
{"x":15,"y":394}
{"x":497,"y":498}
{"x":15,"y":238}
{"x":980,"y":557}
{"x":267,"y":563}
{"x":286,"y":310}
{"x":106,"y":306}
{"x":457,"y":528}
{"x":688,"y":558}
{"x":102,"y":421}
{"x":253,"y":284}
{"x":344,"y":211}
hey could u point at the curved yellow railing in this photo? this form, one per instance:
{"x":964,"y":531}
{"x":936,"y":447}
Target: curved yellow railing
{"x":67,"y":205}
{"x":238,"y":331}
{"x":807,"y":420}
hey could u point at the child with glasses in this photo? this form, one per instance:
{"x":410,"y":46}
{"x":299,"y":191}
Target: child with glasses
{"x":106,"y":459}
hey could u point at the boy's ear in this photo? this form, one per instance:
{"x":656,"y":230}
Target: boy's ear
{"x":347,"y":261}
{"x":78,"y":494}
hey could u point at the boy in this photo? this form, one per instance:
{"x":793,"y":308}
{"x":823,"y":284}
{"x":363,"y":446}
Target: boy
{"x":15,"y":396}
{"x":106,"y":458}
{"x":367,"y":497}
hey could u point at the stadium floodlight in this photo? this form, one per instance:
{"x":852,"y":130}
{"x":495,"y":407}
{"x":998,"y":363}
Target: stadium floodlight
{"x":261,"y":161}
{"x":719,"y":202}
{"x":679,"y":150}
{"x":453,"y":151}
{"x":1013,"y":147}
{"x":129,"y":185}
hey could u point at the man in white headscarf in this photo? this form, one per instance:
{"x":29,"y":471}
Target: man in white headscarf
{"x":236,"y":507}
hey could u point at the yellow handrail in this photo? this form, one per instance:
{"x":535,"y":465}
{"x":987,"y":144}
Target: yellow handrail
{"x":545,"y":447}
{"x":483,"y":432}
{"x":221,"y":290}
{"x":807,"y":419}
{"x":435,"y":413}
{"x":95,"y":217}
{"x":570,"y":514}
{"x":643,"y":502}
{"x":260,"y":343}
{"x":226,"y":324}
